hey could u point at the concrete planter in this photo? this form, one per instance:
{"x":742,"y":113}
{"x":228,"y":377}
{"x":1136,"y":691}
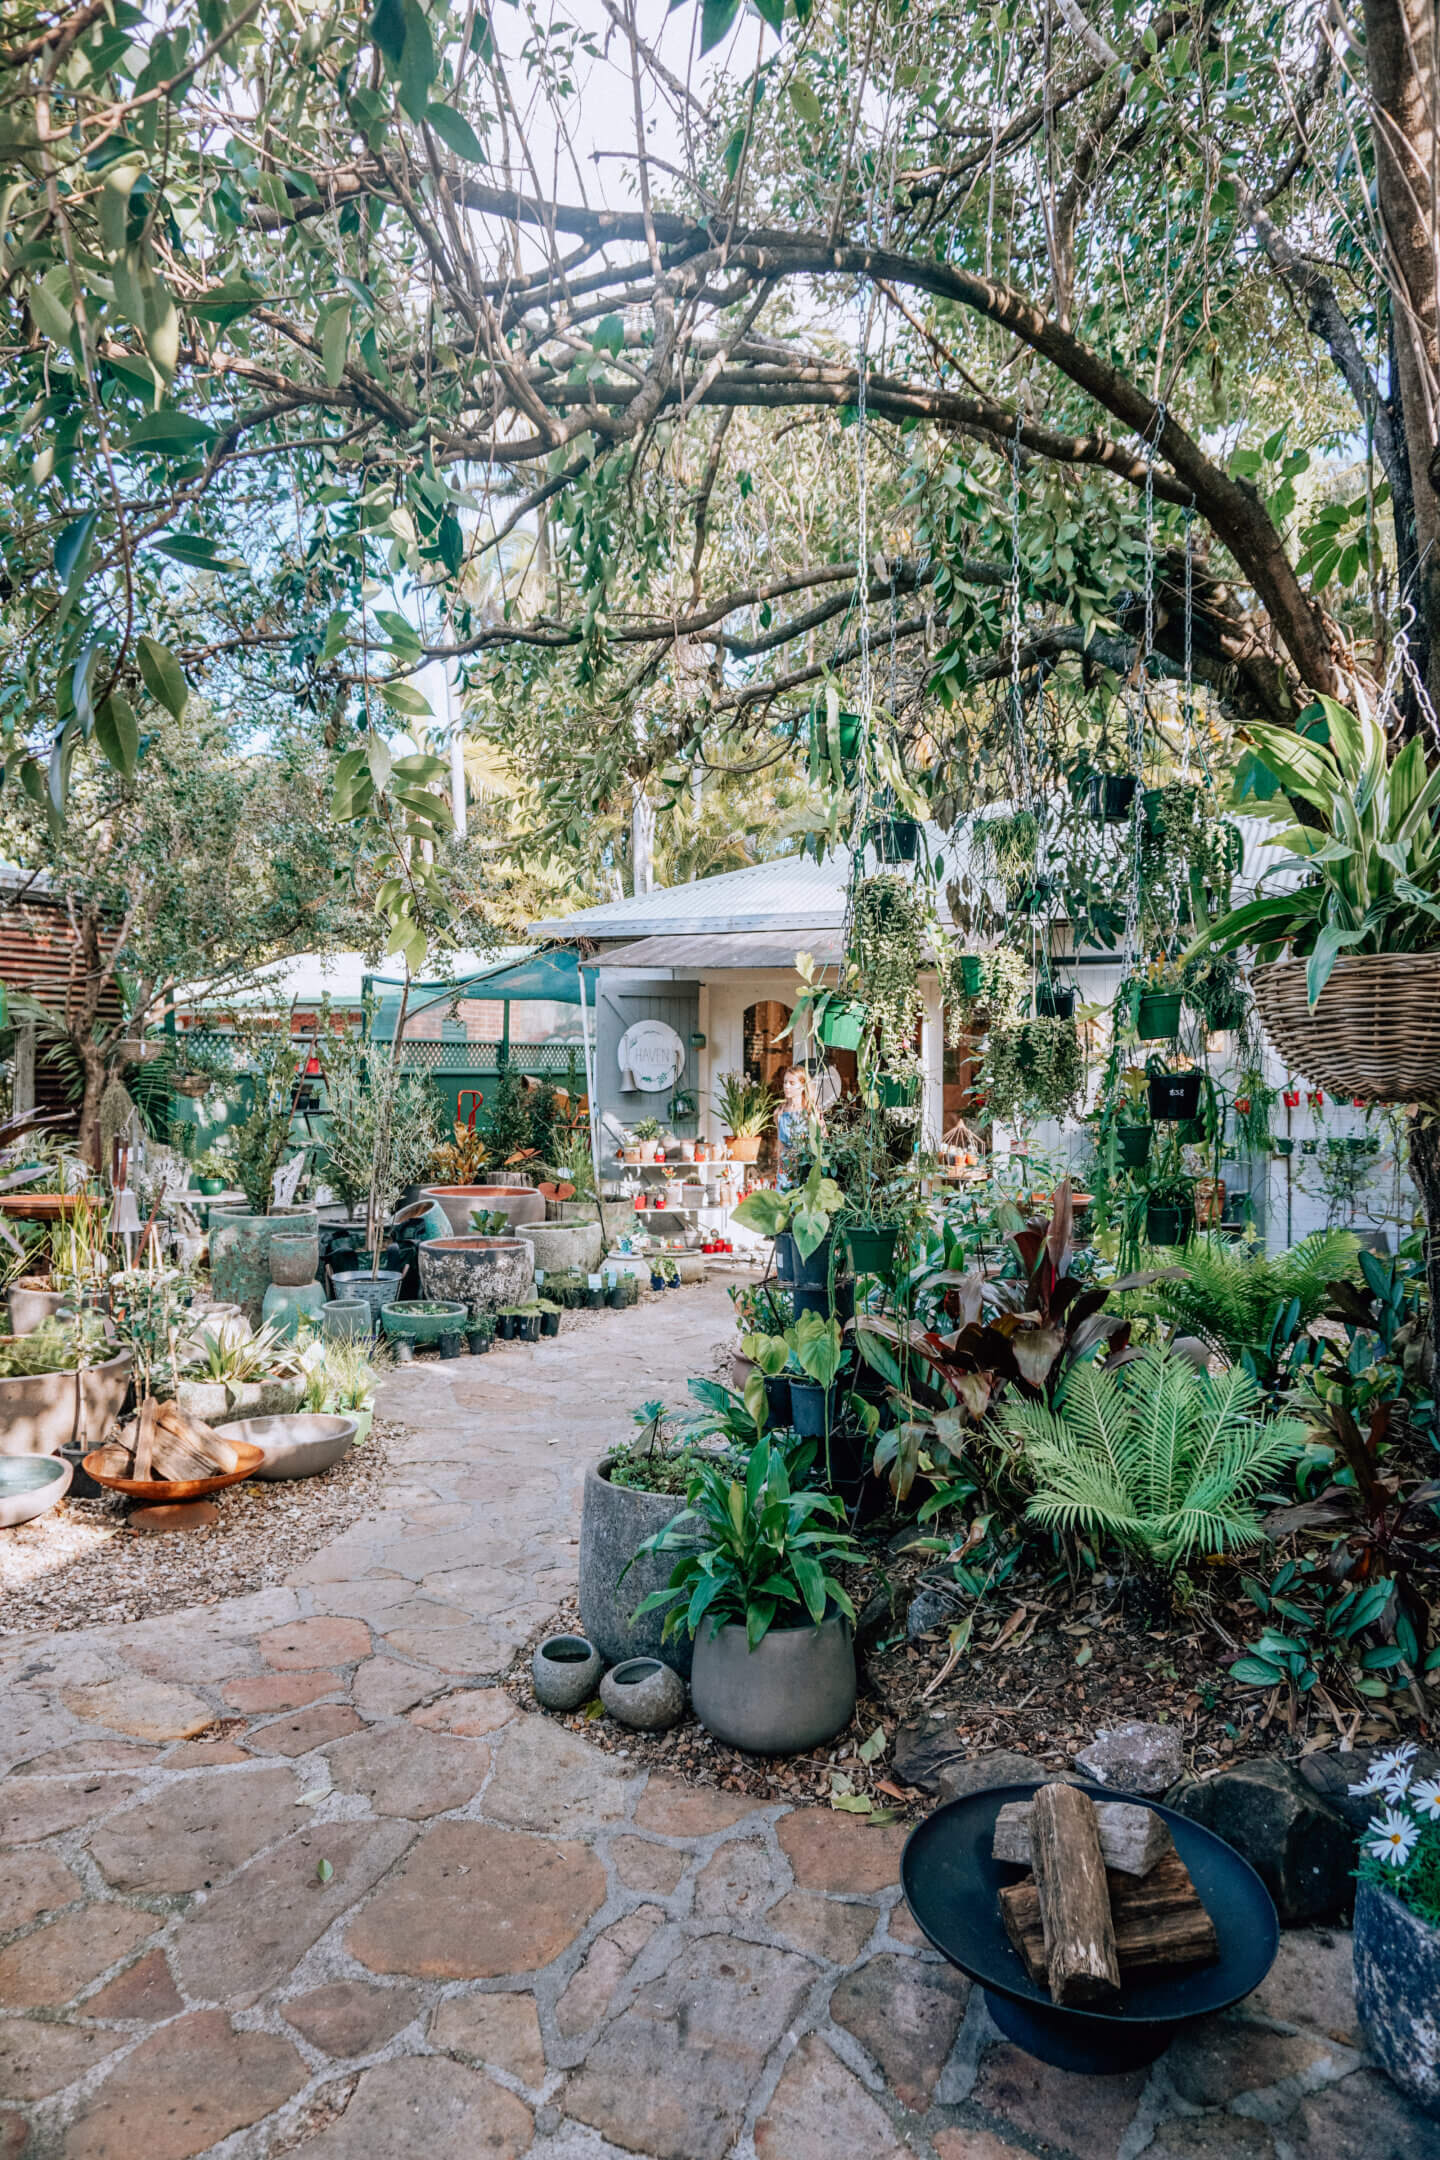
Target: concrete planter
{"x":794,"y":1691}
{"x":222,"y":1402}
{"x":644,"y":1694}
{"x":296,"y":1447}
{"x":481,"y":1272}
{"x":29,"y":1485}
{"x":30,"y":1309}
{"x":240,"y":1254}
{"x":565,"y":1671}
{"x":1397,"y":1991}
{"x":294,"y":1260}
{"x":520,"y":1203}
{"x":42,"y":1412}
{"x":614,"y":1522}
{"x":563,"y":1245}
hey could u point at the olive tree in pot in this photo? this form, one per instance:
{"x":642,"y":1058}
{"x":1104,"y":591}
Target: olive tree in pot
{"x":382,"y":1137}
{"x":774,"y":1660}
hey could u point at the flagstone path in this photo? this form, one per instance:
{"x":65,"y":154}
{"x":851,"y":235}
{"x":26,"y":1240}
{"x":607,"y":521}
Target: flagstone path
{"x":290,"y":1873}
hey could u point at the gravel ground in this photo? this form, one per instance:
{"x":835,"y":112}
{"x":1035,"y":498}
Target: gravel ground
{"x":82,"y":1565}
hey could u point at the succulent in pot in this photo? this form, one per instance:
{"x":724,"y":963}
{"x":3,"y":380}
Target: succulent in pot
{"x":754,"y":1584}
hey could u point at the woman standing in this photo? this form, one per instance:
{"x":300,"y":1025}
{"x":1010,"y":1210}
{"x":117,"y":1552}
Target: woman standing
{"x":795,"y":1120}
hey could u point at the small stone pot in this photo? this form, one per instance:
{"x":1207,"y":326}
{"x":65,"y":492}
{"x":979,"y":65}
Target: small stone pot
{"x":566,"y":1670}
{"x":794,"y":1690}
{"x":403,"y":1350}
{"x":1397,"y":1986}
{"x":346,"y":1320}
{"x":294,"y":1260}
{"x":644,"y":1694}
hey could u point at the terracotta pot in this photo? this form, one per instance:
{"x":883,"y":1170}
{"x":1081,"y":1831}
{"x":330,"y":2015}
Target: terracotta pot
{"x":745,"y":1149}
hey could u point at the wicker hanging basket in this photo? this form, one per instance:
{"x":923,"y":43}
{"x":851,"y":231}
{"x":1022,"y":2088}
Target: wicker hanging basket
{"x":1375,"y":1029}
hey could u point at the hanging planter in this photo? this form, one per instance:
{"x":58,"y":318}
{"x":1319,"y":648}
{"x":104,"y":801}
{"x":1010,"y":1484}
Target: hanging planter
{"x":1157,"y":1015}
{"x":849,"y":729}
{"x":897,"y":1093}
{"x":972,"y":974}
{"x":1054,"y":1002}
{"x":872,"y":1250}
{"x":895,"y":839}
{"x":1153,"y":803}
{"x":1166,"y":1224}
{"x":1375,"y":1028}
{"x":1174,"y":1096}
{"x":1112,"y":796}
{"x":1284,"y":1148}
{"x":841,"y":1025}
{"x":1132,"y":1145}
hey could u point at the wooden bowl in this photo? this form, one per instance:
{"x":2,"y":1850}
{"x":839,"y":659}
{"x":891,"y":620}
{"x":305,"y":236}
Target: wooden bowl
{"x":161,"y":1491}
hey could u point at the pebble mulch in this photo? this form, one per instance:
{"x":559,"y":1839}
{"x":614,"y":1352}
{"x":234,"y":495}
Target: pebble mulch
{"x":82,"y":1566}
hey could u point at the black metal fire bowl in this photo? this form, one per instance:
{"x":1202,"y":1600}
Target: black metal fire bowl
{"x":951,"y":1885}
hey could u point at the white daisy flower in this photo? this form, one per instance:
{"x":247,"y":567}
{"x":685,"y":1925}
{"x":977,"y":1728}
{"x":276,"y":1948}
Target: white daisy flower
{"x":1389,"y":1773}
{"x":1392,"y":1837}
{"x":1372,"y":1782}
{"x":1424,"y":1797}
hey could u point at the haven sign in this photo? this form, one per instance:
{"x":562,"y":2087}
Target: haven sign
{"x":651,"y":1056}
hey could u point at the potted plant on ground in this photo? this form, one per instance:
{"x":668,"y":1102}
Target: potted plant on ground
{"x":628,"y":1497}
{"x":774,"y":1659}
{"x":1397,"y":1924}
{"x":747,"y":1109}
{"x":800,"y":1223}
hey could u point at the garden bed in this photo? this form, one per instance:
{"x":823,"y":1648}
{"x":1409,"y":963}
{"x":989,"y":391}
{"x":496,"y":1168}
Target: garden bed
{"x":82,"y":1566}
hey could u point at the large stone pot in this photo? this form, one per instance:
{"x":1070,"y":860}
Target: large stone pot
{"x":518,"y":1203}
{"x":41,"y":1412}
{"x":793,"y":1691}
{"x":224,"y":1402}
{"x":240,"y":1254}
{"x":563,"y":1245}
{"x":614,"y":1522}
{"x":1397,"y":1991}
{"x":482,"y":1272}
{"x":30,"y":1309}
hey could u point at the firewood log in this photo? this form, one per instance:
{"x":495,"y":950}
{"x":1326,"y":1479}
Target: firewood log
{"x":144,"y":1438}
{"x":1132,"y":1838}
{"x":210,"y":1447}
{"x":1159,"y":1921}
{"x":1080,"y":1954}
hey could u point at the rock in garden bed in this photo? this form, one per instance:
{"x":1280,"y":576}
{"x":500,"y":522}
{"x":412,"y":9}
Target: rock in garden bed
{"x":81,"y":1564}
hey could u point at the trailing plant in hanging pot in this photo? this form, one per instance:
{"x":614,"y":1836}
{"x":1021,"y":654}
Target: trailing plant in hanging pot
{"x":1112,"y":797}
{"x":1153,"y":998}
{"x":887,"y":947}
{"x":1032,"y":1069}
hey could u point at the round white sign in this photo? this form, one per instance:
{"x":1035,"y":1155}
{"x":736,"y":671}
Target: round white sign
{"x":651,"y":1056}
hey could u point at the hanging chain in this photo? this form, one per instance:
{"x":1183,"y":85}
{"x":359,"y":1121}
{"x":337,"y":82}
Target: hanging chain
{"x":1139,"y":702}
{"x":1188,"y":705}
{"x":1017,"y":697}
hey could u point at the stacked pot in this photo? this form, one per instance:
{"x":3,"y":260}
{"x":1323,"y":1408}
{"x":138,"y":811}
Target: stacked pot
{"x":294,"y":1293}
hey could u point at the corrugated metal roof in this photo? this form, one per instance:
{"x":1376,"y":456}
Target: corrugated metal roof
{"x":721,"y":949}
{"x":794,"y":890}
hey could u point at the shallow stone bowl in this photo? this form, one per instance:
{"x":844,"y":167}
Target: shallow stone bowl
{"x":295,"y":1447}
{"x":29,"y":1484}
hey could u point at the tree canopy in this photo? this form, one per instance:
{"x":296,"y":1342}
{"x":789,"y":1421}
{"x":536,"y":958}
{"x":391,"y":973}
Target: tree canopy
{"x":952,"y":344}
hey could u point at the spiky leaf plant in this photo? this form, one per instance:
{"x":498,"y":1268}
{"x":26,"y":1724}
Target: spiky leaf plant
{"x":1232,"y":1299}
{"x":1157,"y":1458}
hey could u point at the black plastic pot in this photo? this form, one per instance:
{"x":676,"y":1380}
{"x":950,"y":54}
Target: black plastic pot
{"x":1112,"y":797}
{"x":1052,"y":1003}
{"x":549,"y":1323}
{"x":616,"y":1297}
{"x":895,"y":839}
{"x":1165,"y":1225}
{"x":791,"y":1265}
{"x":477,"y":1341}
{"x":594,"y":1299}
{"x":657,"y":1282}
{"x":816,"y":1297}
{"x":777,"y":1398}
{"x":450,"y":1345}
{"x":809,"y":1403}
{"x":1175,"y":1095}
{"x":527,"y":1327}
{"x":505,"y":1326}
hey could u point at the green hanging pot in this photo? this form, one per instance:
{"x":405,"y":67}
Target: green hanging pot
{"x":1157,"y":1015}
{"x":872,"y":1252}
{"x":1132,"y":1145}
{"x":841,"y":1026}
{"x":897,"y":1094}
{"x":972,"y":974}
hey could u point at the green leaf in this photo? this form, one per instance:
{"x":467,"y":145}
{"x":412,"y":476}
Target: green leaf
{"x":227,"y":302}
{"x":1256,"y":1673}
{"x":51,"y":304}
{"x":716,"y":16}
{"x":772,"y":12}
{"x":387,"y":28}
{"x":162,"y":676}
{"x":417,"y":62}
{"x":734,"y":149}
{"x":403,"y":697}
{"x":72,"y":550}
{"x":456,"y":133}
{"x":197,"y":551}
{"x":117,"y":733}
{"x":324,"y":1872}
{"x":170,"y":433}
{"x":334,"y":343}
{"x":608,"y":335}
{"x":805,"y":102}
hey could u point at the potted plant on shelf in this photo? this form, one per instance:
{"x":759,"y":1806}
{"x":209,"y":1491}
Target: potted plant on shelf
{"x":774,"y":1659}
{"x":646,"y":1132}
{"x":800,"y":1223}
{"x":747,"y":1109}
{"x":1397,"y":1924}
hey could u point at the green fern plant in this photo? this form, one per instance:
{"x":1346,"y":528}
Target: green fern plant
{"x":1157,"y":1458}
{"x":1233,"y":1301}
